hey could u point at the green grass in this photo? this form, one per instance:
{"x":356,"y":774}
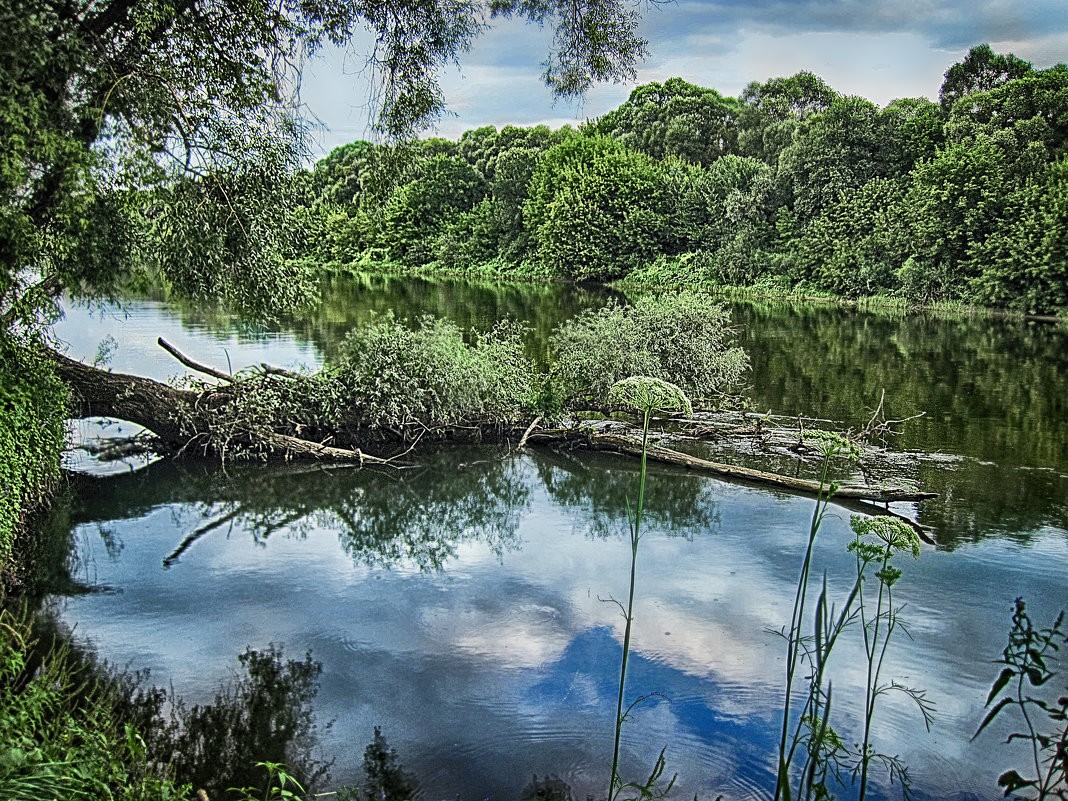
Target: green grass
{"x":62,"y":734}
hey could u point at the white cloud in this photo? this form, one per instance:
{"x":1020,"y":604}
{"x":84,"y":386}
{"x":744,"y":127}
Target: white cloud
{"x":880,"y":51}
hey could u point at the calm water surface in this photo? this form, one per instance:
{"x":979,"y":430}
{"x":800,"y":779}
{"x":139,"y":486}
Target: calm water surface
{"x":458,"y":604}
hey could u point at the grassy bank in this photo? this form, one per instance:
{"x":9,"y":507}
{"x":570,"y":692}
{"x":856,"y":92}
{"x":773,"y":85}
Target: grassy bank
{"x":63,"y":731}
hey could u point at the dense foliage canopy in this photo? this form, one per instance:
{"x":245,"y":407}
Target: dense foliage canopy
{"x":791,"y":185}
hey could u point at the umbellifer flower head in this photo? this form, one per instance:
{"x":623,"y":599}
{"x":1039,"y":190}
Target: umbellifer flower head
{"x":647,"y":394}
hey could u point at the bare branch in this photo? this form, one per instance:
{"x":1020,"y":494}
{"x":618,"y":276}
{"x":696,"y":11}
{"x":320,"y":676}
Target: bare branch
{"x":192,"y":365}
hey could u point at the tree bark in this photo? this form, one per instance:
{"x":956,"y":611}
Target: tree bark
{"x":148,"y":403}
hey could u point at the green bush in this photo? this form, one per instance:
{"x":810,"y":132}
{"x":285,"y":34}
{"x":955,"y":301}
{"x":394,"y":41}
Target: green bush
{"x":855,"y":246}
{"x":33,"y":404}
{"x":1024,"y":264}
{"x":420,"y":210}
{"x":595,"y":209}
{"x":684,"y":339}
{"x":391,"y":375}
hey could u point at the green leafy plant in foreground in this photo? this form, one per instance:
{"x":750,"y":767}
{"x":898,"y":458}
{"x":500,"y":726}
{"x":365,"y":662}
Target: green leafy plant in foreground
{"x":1026,"y":659}
{"x":827,"y":757}
{"x":645,"y":395}
{"x":280,"y":786}
{"x":63,"y":732}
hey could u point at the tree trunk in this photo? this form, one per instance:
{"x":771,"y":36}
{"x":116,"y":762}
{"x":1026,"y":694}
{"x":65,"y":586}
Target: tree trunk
{"x":148,"y":403}
{"x":157,"y":407}
{"x":622,"y":444}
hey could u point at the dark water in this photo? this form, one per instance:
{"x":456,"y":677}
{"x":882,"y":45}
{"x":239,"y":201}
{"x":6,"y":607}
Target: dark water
{"x":458,"y":604}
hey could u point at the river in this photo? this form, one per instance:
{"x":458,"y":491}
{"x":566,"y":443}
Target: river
{"x":459,"y":604}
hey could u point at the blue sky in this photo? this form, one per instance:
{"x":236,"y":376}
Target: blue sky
{"x":879,"y":50}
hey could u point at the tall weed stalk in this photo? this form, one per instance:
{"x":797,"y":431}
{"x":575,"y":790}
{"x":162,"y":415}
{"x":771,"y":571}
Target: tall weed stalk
{"x":1027,"y":658}
{"x":826,"y":757}
{"x":645,"y":395}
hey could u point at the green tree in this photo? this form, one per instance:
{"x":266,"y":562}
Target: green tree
{"x":841,"y":147}
{"x":953,"y":204}
{"x":854,"y":247}
{"x":980,"y":71}
{"x":913,"y":130}
{"x":675,"y":118}
{"x":419,"y":210}
{"x":1024,"y":263}
{"x":595,"y":209}
{"x":772,"y":110}
{"x":1027,"y":117}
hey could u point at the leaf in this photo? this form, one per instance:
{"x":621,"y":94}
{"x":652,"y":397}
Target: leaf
{"x":993,"y":713}
{"x":1037,"y":678}
{"x":1036,"y":657}
{"x":1012,"y":781}
{"x":999,"y":684}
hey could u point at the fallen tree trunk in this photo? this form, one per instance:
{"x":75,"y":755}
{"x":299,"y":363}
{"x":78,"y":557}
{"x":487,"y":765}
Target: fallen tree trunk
{"x":180,"y":418}
{"x":622,"y":444}
{"x":150,"y":404}
{"x":177,"y":417}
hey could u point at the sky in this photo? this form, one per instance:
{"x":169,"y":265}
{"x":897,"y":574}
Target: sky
{"x":879,"y":50}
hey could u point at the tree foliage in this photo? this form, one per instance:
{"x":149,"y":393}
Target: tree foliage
{"x":791,"y":186}
{"x":980,"y":71}
{"x":675,"y":118}
{"x":595,"y":209}
{"x":175,"y":125}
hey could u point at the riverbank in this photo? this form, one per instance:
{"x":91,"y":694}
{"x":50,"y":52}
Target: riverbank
{"x":657,"y":278}
{"x":33,"y":410}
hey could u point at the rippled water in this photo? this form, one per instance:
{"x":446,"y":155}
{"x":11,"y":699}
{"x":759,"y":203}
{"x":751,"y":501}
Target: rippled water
{"x":458,"y":605}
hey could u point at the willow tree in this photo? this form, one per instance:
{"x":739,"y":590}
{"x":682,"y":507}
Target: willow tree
{"x":178,"y":122}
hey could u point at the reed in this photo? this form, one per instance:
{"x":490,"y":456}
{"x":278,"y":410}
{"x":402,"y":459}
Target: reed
{"x":644,"y":395}
{"x":827,"y":758}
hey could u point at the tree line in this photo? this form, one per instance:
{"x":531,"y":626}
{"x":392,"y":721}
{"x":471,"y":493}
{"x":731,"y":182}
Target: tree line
{"x":791,"y":186}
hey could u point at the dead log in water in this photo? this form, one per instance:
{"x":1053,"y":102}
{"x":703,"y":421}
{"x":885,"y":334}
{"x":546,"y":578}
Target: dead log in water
{"x":607,"y":441}
{"x":155,"y":406}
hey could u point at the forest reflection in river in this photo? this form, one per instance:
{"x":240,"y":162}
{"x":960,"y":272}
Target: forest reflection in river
{"x":457,"y":605}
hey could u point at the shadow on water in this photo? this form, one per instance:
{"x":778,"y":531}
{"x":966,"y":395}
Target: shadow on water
{"x":993,"y":391}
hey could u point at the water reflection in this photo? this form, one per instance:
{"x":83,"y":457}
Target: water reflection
{"x":603,"y":487}
{"x":457,"y":606}
{"x":415,"y":516}
{"x":991,"y":388}
{"x":994,"y":391}
{"x":348,"y":301}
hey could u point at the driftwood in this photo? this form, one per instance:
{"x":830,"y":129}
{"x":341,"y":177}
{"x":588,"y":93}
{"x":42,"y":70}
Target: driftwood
{"x":622,"y":444}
